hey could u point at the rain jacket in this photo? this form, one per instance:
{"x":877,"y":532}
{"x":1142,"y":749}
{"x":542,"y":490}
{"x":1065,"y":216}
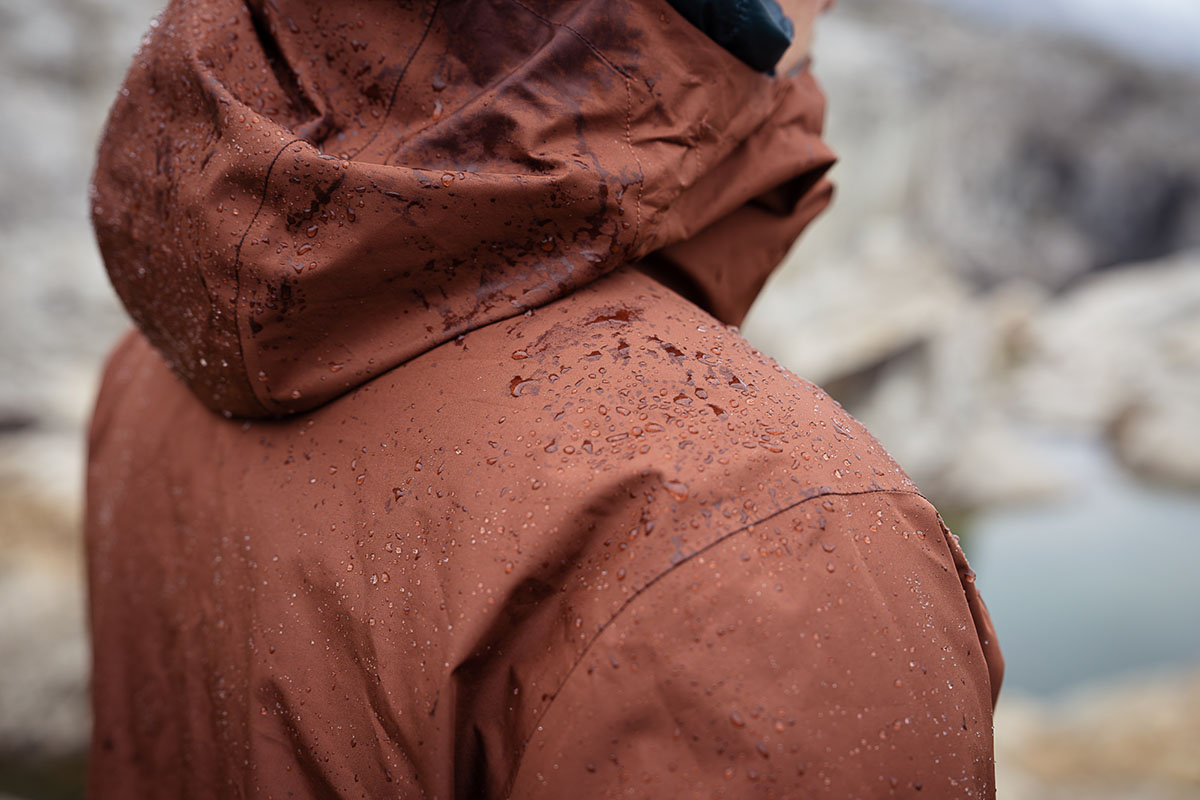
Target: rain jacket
{"x":435,"y":469}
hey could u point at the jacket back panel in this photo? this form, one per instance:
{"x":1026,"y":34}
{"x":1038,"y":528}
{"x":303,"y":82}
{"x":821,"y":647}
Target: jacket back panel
{"x":601,"y":549}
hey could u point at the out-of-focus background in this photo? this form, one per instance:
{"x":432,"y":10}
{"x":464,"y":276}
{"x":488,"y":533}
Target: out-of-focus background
{"x":1007,"y":291}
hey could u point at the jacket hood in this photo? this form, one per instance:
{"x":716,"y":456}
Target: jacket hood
{"x":294,"y":197}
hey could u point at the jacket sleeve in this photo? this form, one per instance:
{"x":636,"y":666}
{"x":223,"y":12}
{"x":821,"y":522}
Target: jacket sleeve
{"x":833,"y":650}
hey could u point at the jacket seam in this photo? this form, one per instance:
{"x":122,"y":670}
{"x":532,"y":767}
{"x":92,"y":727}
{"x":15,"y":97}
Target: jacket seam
{"x":646,"y":587}
{"x":627,"y":78}
{"x":399,"y":80}
{"x":263,"y":398}
{"x":264,"y":402}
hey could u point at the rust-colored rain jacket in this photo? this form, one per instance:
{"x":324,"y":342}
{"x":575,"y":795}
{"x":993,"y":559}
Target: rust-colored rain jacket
{"x":435,"y":469}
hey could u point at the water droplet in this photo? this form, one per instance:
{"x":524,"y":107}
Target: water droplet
{"x":677,"y":489}
{"x":520,"y":386}
{"x":620,"y":315}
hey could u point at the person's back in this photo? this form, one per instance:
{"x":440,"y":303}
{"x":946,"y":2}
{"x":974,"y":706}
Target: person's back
{"x":490,"y":511}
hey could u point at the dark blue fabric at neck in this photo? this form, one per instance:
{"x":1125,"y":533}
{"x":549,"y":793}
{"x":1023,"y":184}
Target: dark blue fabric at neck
{"x":756,"y":31}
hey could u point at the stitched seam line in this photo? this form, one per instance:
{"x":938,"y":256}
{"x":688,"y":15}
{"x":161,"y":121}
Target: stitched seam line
{"x":262,"y":201}
{"x":237,"y":274}
{"x":400,"y":79}
{"x":637,"y":218}
{"x":629,"y":600}
{"x":599,"y":53}
{"x":628,"y":79}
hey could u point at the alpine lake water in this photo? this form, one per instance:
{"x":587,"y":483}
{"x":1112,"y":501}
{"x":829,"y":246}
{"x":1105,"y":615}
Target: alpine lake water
{"x":1096,"y":585}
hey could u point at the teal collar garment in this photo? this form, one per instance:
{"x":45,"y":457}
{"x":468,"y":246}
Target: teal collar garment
{"x":756,"y":31}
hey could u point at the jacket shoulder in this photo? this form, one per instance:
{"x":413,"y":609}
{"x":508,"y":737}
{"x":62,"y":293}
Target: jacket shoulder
{"x":636,"y":435}
{"x":641,"y":379}
{"x":760,"y":666}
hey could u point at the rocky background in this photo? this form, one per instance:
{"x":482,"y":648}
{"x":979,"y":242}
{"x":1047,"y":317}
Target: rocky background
{"x":1015,"y":246}
{"x":1014,"y":257}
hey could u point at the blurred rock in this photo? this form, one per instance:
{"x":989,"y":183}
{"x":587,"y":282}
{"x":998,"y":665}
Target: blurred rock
{"x":1121,"y":353}
{"x":941,"y":407}
{"x":961,"y":400}
{"x":1015,"y":154}
{"x":849,"y":312}
{"x":61,"y":62}
{"x":1135,"y":739}
{"x":44,"y":709}
{"x":992,"y":183}
{"x":60,"y":318}
{"x":1162,"y":443}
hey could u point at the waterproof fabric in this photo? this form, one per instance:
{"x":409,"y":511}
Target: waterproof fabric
{"x":434,"y":468}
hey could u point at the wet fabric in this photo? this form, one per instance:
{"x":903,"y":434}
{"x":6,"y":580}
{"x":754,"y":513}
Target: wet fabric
{"x":434,"y":467}
{"x":756,"y":31}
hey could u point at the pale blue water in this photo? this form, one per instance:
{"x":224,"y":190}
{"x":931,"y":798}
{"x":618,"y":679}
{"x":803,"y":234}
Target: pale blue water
{"x":1099,"y":584}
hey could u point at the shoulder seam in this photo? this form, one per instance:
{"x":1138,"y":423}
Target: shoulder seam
{"x":645,"y":587}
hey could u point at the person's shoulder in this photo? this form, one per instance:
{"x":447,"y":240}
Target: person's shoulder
{"x":642,"y":381}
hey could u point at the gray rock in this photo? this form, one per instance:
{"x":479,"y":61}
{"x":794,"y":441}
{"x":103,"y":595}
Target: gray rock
{"x":60,"y":64}
{"x":846,"y":312}
{"x":1015,"y":153}
{"x":989,"y":179}
{"x":1134,"y":739}
{"x":1121,"y":354}
{"x":44,"y":708}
